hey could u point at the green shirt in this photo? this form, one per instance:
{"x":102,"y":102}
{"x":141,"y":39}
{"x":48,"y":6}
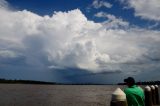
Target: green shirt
{"x":135,"y":96}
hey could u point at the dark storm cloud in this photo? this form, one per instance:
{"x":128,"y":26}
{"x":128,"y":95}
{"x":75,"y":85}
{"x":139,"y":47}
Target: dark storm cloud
{"x":68,"y":47}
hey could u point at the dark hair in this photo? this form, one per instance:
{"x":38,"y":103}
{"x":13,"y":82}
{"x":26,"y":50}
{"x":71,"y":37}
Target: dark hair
{"x":130,"y":80}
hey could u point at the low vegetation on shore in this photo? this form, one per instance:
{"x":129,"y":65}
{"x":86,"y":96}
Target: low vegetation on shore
{"x":24,"y":82}
{"x":10,"y":81}
{"x":144,"y":83}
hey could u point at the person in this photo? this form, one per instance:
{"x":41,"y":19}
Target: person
{"x":134,"y":94}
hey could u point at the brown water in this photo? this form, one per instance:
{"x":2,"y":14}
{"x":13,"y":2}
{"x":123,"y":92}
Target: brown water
{"x":55,"y":95}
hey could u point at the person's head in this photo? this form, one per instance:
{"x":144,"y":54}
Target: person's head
{"x":129,"y":81}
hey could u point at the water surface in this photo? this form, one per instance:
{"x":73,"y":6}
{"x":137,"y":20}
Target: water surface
{"x":55,"y":95}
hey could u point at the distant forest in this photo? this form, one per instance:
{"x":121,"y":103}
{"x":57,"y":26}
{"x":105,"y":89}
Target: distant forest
{"x":145,"y":83}
{"x":42,"y":82}
{"x":54,"y":83}
{"x":24,"y":82}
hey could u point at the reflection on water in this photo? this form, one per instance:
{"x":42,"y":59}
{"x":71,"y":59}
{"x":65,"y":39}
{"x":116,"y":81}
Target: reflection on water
{"x":55,"y":95}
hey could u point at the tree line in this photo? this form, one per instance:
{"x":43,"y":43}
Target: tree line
{"x":144,"y":83}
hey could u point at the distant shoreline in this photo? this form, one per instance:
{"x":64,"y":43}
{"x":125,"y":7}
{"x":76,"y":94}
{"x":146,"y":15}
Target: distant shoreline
{"x":6,"y":81}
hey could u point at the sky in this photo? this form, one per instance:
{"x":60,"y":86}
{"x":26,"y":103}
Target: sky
{"x":80,"y":41}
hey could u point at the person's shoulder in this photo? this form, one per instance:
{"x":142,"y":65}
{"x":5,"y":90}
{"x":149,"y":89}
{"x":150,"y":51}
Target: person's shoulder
{"x":140,"y":88}
{"x":130,"y":89}
{"x":126,"y":90}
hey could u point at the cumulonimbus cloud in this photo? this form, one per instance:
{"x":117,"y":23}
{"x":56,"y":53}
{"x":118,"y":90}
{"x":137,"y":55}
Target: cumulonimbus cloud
{"x":146,"y":9}
{"x":70,"y":40}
